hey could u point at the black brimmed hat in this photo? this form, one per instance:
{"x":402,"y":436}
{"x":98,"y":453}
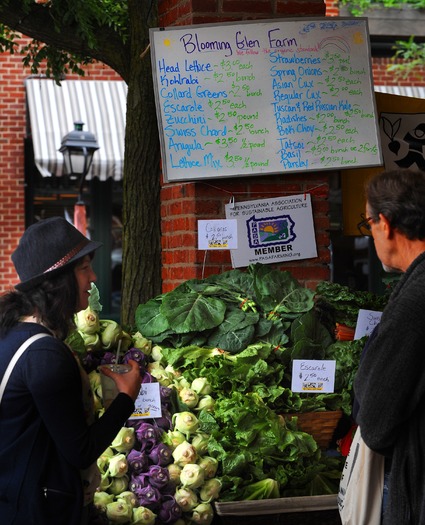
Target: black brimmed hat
{"x":47,"y":247}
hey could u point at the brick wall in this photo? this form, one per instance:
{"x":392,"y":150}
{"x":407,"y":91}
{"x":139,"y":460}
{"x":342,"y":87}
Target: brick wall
{"x":183,"y":204}
{"x":13,"y":125}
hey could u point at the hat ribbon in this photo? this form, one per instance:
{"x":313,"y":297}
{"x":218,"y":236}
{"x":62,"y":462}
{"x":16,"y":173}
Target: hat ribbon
{"x":68,"y":256}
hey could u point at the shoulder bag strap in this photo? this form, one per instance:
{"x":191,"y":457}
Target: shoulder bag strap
{"x":15,"y":358}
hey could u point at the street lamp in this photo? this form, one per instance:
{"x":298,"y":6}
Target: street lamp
{"x":78,"y":148}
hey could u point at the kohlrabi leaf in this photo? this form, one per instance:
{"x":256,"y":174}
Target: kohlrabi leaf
{"x":235,"y":332}
{"x":149,"y":319}
{"x":189,"y":312}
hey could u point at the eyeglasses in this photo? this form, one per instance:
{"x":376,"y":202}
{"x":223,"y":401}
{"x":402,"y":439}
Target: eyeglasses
{"x":364,"y":226}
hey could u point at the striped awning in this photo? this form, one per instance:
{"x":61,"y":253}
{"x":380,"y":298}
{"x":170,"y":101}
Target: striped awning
{"x":404,"y":91}
{"x":53,"y":109}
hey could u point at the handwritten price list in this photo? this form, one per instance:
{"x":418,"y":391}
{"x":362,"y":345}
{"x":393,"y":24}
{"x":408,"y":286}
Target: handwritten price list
{"x":269,"y":97}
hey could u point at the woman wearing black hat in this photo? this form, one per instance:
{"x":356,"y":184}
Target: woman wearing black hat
{"x":45,"y":438}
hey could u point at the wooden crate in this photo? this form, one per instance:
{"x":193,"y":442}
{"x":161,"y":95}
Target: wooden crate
{"x":305,"y":510}
{"x":321,"y":425}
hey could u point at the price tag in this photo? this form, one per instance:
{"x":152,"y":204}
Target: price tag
{"x":366,"y":322}
{"x":148,"y":402}
{"x":219,"y":234}
{"x":313,"y":376}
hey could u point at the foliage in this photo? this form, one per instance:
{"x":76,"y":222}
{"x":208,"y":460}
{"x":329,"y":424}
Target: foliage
{"x":229,"y":310}
{"x":338,"y":303}
{"x":409,"y":55}
{"x":412,"y":57}
{"x":358,"y":7}
{"x":84,"y":18}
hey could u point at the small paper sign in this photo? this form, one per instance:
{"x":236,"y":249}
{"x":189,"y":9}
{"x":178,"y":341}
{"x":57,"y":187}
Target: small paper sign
{"x":366,"y":322}
{"x":313,"y":376}
{"x":219,"y":234}
{"x":148,"y":402}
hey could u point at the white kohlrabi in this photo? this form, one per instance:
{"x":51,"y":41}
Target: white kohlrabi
{"x":101,"y":499}
{"x":201,"y":386}
{"x":203,"y":514}
{"x":124,"y":440}
{"x":192,"y":476}
{"x":210,"y":490}
{"x":143,"y":516}
{"x":189,"y":397}
{"x":206,"y":403}
{"x":185,"y":422}
{"x":185,"y":453}
{"x":87,"y":321}
{"x":118,"y":466}
{"x":174,"y":471}
{"x":118,"y":485}
{"x":129,"y":497}
{"x":210,"y":466}
{"x":172,"y":438}
{"x":200,"y":442}
{"x":119,"y":511}
{"x":143,"y":344}
{"x":186,"y":498}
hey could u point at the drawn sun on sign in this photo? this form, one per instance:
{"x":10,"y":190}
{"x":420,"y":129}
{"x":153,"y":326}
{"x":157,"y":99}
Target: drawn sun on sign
{"x":167,"y":42}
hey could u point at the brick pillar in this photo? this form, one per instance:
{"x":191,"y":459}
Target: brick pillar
{"x":183,"y":204}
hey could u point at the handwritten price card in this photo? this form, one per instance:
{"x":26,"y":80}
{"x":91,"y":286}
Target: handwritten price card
{"x":313,"y":376}
{"x":366,"y":322}
{"x":254,"y":98}
{"x":148,"y":402}
{"x":219,"y":234}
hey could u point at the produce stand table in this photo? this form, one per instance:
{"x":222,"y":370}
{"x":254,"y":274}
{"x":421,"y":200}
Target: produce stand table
{"x":306,"y":510}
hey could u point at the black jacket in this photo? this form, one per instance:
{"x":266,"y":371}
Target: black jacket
{"x":390,"y":388}
{"x":44,"y":438}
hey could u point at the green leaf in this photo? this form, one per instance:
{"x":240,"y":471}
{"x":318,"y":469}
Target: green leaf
{"x":149,"y":318}
{"x":188,"y":312}
{"x":236,"y":331}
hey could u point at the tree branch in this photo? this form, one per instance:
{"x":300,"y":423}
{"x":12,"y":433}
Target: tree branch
{"x":38,"y":24}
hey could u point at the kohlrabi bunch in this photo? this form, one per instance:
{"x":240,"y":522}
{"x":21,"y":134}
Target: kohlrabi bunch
{"x":158,"y":470}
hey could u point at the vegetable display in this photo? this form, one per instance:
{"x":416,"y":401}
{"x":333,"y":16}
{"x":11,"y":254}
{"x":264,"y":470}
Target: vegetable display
{"x":221,"y":349}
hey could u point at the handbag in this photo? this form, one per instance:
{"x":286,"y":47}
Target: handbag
{"x":361,"y":485}
{"x":15,"y":359}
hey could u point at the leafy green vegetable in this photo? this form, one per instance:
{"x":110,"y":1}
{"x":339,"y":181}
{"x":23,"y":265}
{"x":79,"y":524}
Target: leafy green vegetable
{"x":338,"y":303}
{"x":229,"y":310}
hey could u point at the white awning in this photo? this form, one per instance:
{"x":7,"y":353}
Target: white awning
{"x":53,"y":109}
{"x":404,"y":91}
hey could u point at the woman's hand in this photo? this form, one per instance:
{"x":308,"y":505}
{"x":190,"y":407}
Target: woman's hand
{"x":128,"y":383}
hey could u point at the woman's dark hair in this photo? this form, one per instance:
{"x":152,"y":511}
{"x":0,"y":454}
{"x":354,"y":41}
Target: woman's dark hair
{"x":53,"y":301}
{"x":400,"y":196}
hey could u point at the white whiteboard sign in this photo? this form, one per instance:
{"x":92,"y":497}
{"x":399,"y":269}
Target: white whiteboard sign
{"x":265,"y":97}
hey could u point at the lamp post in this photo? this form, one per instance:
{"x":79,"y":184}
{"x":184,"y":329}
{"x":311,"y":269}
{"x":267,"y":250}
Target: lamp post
{"x":78,"y":148}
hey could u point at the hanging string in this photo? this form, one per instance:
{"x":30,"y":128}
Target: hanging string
{"x":204,"y":264}
{"x":250,"y":193}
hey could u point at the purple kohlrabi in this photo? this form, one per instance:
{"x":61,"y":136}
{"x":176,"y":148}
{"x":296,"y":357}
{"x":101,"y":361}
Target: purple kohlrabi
{"x":149,"y":497}
{"x":161,"y":455}
{"x":148,"y":435}
{"x":165,"y":392}
{"x":169,"y":511}
{"x":159,"y":477}
{"x":148,"y":378}
{"x":136,"y":355}
{"x":165,"y":421}
{"x":108,"y":358}
{"x":137,"y":461}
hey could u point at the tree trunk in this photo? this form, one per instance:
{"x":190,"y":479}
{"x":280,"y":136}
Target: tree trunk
{"x":141,"y":279}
